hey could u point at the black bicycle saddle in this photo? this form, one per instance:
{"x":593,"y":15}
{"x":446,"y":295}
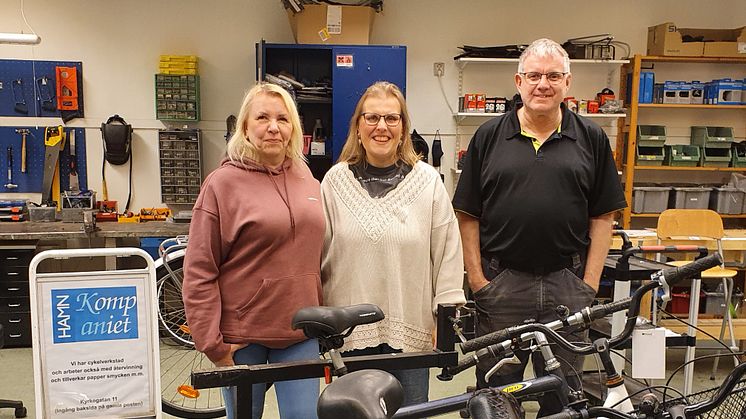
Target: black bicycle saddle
{"x":321,"y":321}
{"x":364,"y":394}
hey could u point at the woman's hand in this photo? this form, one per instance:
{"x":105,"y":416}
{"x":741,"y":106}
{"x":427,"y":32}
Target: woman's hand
{"x":227,"y":361}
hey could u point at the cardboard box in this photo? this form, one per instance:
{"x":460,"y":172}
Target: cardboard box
{"x":725,"y":42}
{"x":667,"y":39}
{"x":327,"y":24}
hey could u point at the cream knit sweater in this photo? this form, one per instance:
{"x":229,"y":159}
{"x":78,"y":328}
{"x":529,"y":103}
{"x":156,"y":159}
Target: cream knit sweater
{"x":401,"y":252}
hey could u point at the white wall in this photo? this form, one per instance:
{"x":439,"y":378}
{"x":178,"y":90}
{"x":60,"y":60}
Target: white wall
{"x":119,"y":44}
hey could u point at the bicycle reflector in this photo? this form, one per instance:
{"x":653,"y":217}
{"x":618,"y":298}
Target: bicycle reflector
{"x":184,"y":328}
{"x":188,"y":391}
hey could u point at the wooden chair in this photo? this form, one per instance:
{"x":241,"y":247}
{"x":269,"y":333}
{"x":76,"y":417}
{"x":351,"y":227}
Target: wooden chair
{"x":692,"y":225}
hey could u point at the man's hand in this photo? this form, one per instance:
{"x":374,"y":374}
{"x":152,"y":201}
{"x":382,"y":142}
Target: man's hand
{"x":227,"y":361}
{"x":477,"y":284}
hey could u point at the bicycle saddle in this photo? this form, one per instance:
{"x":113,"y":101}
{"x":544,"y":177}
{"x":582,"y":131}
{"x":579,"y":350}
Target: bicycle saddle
{"x":365,"y":394}
{"x":321,"y":321}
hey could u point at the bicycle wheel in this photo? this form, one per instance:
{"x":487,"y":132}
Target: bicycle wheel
{"x":179,"y":356}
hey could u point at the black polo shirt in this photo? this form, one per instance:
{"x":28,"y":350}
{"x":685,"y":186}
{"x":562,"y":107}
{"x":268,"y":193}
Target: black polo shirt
{"x":533,"y":205}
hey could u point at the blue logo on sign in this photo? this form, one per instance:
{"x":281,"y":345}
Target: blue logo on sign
{"x":93,"y":314}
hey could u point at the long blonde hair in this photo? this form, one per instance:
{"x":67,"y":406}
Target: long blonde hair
{"x":239,"y":147}
{"x":353,"y":152}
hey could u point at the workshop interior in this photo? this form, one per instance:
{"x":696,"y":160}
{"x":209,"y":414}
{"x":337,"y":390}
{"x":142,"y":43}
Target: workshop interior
{"x":112,"y":115}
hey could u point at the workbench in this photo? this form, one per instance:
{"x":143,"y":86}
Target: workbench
{"x":107,"y":230}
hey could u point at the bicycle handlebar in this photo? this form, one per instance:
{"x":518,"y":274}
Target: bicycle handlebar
{"x":495,"y":344}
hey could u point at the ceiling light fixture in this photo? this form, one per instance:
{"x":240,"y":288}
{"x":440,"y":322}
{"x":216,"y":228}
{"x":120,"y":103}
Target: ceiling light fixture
{"x":19,"y":38}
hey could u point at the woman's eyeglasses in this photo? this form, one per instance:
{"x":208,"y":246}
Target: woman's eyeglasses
{"x":391,"y":119}
{"x":534,"y":77}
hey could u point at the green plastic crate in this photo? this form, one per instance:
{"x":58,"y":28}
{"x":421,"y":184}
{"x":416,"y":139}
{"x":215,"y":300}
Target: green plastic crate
{"x":715,"y":157}
{"x":649,"y":156}
{"x":651,"y":135}
{"x":682,"y":155}
{"x":712,"y":137}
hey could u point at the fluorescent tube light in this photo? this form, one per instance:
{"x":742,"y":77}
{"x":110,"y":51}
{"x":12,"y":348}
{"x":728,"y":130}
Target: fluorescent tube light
{"x":19,"y":38}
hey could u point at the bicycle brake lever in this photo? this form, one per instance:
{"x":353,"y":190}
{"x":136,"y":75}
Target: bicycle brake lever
{"x":512,"y":360}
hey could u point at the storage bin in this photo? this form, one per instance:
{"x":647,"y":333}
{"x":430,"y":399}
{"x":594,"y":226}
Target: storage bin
{"x":690,"y":198}
{"x":738,"y":158}
{"x":42,"y":214}
{"x":709,"y":136}
{"x":715,"y":303}
{"x":651,"y":135}
{"x":650,"y":199}
{"x":150,"y":245}
{"x":680,"y":300}
{"x":682,"y":155}
{"x":726,"y":200}
{"x":715,"y":156}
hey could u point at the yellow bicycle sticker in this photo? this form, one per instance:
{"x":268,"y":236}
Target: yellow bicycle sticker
{"x":515,"y":387}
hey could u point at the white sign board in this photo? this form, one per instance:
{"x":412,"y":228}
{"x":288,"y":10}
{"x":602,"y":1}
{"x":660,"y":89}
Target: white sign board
{"x":95,"y":340}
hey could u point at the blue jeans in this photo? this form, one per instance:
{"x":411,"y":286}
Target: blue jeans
{"x":296,"y":399}
{"x":415,"y":382}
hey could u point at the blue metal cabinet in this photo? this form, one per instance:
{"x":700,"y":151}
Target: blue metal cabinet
{"x":350,"y":69}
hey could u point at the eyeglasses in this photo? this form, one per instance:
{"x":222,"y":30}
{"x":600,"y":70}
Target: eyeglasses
{"x":534,"y":77}
{"x":391,"y":119}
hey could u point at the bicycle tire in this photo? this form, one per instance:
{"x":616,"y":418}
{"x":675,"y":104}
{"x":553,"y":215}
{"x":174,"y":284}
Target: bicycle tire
{"x":178,"y":356}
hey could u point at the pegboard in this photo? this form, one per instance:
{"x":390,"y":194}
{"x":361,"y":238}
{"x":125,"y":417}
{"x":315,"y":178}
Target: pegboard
{"x":31,"y":181}
{"x":31,"y":91}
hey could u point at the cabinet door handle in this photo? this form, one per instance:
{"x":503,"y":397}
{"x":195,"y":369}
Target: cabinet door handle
{"x":14,"y":320}
{"x":15,"y":336}
{"x":14,"y":289}
{"x":12,"y":258}
{"x":14,"y":305}
{"x":12,"y":273}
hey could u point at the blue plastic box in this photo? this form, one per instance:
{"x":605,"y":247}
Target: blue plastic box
{"x":150,"y":245}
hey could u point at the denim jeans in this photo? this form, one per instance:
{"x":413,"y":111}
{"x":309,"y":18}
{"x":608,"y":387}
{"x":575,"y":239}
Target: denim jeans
{"x":415,"y":382}
{"x":514,"y":297}
{"x":296,"y":399}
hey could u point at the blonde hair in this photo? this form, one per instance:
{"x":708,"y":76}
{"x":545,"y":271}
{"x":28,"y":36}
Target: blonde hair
{"x":353,"y":152}
{"x":545,"y":48}
{"x":239,"y":147}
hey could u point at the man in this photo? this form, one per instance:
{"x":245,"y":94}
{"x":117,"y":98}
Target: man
{"x":535,"y":205}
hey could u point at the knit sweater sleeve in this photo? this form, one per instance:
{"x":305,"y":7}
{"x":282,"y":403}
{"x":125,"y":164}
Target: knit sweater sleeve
{"x":445,"y":251}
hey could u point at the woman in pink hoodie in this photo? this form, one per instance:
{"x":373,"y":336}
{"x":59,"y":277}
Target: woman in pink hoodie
{"x":255,"y":243}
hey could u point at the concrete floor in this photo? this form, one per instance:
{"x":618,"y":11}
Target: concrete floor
{"x":16,"y":380}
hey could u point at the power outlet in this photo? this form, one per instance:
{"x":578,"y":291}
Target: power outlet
{"x":439,"y":69}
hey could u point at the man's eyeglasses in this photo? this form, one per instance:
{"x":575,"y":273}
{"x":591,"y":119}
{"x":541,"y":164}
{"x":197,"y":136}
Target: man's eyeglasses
{"x":391,"y":119}
{"x":534,"y":77}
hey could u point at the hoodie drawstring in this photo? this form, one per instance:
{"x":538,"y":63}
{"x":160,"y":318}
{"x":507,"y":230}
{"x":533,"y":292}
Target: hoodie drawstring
{"x":285,"y":198}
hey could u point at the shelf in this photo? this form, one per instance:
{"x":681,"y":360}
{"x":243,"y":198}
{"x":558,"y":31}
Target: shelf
{"x":694,"y":60}
{"x":693,"y":169}
{"x":655,"y":215}
{"x":461,"y":115}
{"x":463,"y":62}
{"x":688,"y":106}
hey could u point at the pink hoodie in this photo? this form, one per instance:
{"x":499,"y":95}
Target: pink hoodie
{"x":253,"y":257}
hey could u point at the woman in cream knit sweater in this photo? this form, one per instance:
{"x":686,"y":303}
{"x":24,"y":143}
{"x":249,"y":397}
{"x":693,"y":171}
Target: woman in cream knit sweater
{"x":391,"y":235}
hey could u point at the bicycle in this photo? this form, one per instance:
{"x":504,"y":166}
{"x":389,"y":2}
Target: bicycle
{"x":179,"y":357}
{"x":498,"y":345}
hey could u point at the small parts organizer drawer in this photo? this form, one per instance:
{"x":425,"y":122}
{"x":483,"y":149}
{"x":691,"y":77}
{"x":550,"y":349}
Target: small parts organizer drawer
{"x":14,"y":264}
{"x":15,"y":306}
{"x":16,"y":329}
{"x":180,"y":163}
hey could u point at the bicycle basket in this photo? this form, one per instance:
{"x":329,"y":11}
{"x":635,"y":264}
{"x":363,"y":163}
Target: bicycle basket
{"x":733,"y":407}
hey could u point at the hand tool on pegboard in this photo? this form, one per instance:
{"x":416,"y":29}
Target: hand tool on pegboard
{"x":53,"y":143}
{"x":18,"y":97}
{"x":74,"y":184}
{"x":9,"y":158}
{"x":46,"y":94}
{"x":24,"y":133}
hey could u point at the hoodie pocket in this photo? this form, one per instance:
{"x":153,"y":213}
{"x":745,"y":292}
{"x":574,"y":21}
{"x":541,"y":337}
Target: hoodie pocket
{"x":277,"y":300}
